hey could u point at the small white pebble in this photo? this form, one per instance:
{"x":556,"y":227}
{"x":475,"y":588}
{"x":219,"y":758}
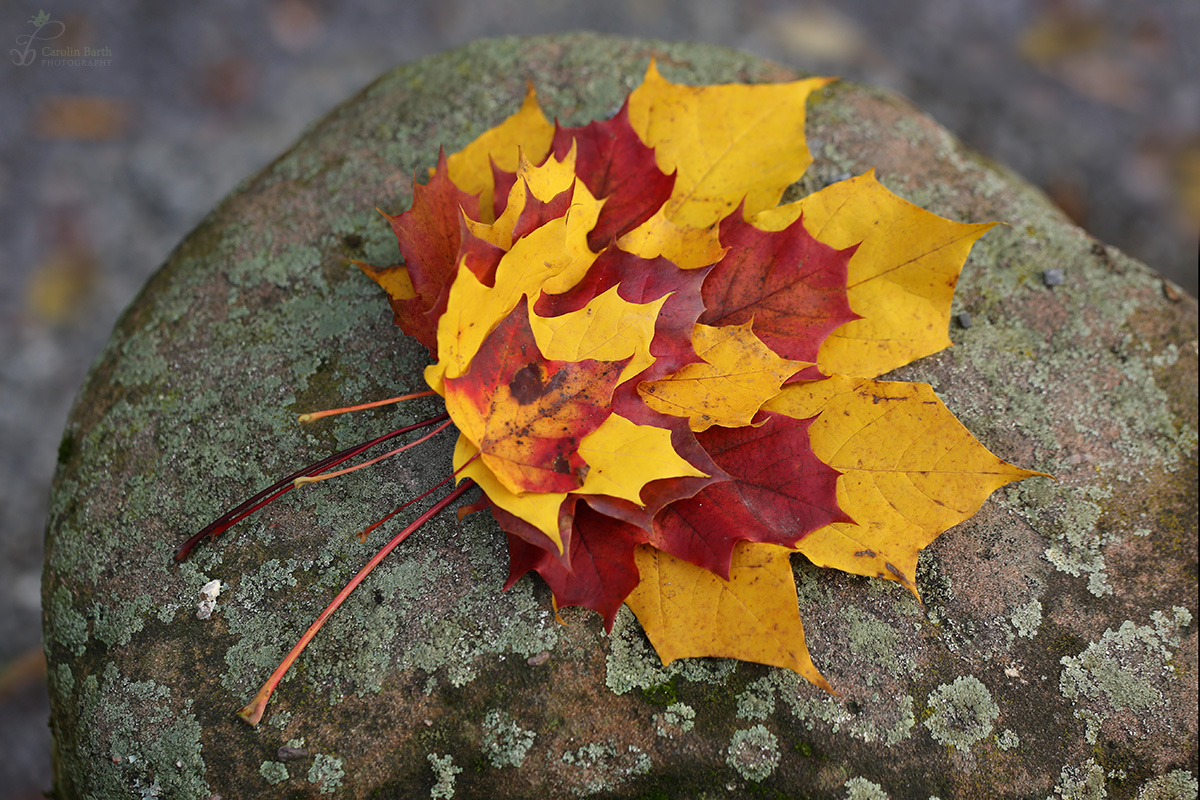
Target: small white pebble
{"x":208,"y":599}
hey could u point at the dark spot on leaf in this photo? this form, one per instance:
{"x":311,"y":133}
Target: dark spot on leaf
{"x":867,"y":553}
{"x":526,"y":386}
{"x":899,"y":575}
{"x":561,"y":465}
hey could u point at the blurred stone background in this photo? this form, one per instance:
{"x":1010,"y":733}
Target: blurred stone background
{"x":111,"y":154}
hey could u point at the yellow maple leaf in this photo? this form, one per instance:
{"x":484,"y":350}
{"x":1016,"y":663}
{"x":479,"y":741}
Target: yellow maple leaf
{"x":687,"y":611}
{"x":623,"y":457}
{"x":526,"y":132}
{"x":607,"y":328}
{"x":687,"y":248}
{"x":724,"y":143}
{"x":539,"y":509}
{"x":931,"y":475}
{"x":901,"y":278}
{"x":738,"y":375}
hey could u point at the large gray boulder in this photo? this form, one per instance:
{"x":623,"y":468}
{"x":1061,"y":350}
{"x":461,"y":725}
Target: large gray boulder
{"x":1055,"y":655}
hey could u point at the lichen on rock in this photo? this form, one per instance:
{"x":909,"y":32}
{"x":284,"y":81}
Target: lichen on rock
{"x":754,"y":753}
{"x":191,"y":405}
{"x":504,"y":741}
{"x":963,"y":712}
{"x":1124,"y":671}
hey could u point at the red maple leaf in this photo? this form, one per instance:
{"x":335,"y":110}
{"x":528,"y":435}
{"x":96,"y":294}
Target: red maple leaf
{"x":429,"y":234}
{"x":778,"y":491}
{"x":617,"y":167}
{"x":640,"y":280}
{"x":792,"y":286}
{"x":601,"y":571}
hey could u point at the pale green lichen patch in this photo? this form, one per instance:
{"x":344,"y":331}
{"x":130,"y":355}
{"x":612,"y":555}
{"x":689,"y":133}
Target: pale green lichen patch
{"x":887,"y":719}
{"x":602,"y":767}
{"x":632,"y":664}
{"x":863,"y":789}
{"x":1125,"y":670}
{"x":753,"y":753}
{"x":678,"y":718}
{"x":1027,"y":618}
{"x":1007,"y":740}
{"x":274,"y":772}
{"x":445,"y":774}
{"x":327,"y":772}
{"x":1175,"y":785}
{"x":874,"y":641}
{"x":141,"y":363}
{"x":138,"y":736}
{"x":116,"y":622}
{"x":1069,"y":518}
{"x":1083,"y":782}
{"x":961,"y":712}
{"x":66,"y":626}
{"x":505,"y":742}
{"x":757,"y":701}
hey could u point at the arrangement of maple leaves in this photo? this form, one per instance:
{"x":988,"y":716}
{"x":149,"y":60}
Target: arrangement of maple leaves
{"x":664,"y":382}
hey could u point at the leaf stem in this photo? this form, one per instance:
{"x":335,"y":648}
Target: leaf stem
{"x":275,"y":490}
{"x":324,"y":476}
{"x":315,"y":415}
{"x":253,"y":712}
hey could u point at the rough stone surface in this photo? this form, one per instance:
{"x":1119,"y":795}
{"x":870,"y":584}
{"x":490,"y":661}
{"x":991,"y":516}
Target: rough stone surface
{"x":1056,"y":653}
